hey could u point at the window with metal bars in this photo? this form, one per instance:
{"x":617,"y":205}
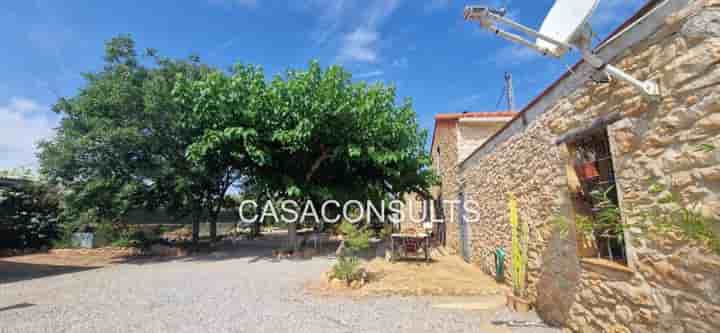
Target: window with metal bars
{"x":597,"y":205}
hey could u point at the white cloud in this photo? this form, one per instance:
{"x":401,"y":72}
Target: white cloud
{"x":360,"y":45}
{"x":514,"y":55}
{"x":329,"y":14}
{"x":353,"y":25}
{"x":23,"y":123}
{"x":369,"y":74}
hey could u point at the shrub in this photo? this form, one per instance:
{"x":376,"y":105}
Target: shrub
{"x":347,"y":268}
{"x":122,"y":242}
{"x":139,"y":238}
{"x":356,"y":239}
{"x":28,"y":215}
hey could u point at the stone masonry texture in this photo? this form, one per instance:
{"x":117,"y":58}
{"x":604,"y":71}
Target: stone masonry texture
{"x":670,"y":284}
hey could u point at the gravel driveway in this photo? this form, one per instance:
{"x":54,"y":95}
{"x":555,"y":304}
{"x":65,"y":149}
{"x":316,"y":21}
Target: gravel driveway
{"x":222,"y":292}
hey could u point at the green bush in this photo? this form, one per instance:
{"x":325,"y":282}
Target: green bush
{"x":356,"y":239}
{"x":106,"y":233}
{"x":138,"y":238}
{"x":122,"y":242}
{"x":28,"y":215}
{"x":347,"y":268}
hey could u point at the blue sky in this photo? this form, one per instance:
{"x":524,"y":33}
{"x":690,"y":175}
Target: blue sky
{"x":423,"y":47}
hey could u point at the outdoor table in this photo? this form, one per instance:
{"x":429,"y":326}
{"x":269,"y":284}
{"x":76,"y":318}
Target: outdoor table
{"x":401,"y":239}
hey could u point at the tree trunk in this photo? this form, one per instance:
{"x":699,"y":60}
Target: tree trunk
{"x":256,"y":228}
{"x":292,"y":237}
{"x":213,"y":229}
{"x":196,"y":230}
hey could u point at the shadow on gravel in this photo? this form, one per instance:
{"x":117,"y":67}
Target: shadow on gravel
{"x":255,"y":251}
{"x":16,"y":307}
{"x":16,"y":271}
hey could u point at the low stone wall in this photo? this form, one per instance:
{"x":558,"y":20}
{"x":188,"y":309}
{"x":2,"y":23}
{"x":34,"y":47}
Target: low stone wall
{"x":670,"y":284}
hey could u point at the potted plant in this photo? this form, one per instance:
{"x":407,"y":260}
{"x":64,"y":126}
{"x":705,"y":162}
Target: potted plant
{"x":517,"y":300}
{"x":587,"y":170}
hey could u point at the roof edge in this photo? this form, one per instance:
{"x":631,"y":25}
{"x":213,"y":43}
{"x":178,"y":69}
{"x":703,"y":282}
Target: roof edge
{"x":647,"y":8}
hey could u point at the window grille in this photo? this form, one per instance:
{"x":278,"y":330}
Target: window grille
{"x":598,"y":198}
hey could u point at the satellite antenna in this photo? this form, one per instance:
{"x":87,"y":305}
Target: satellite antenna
{"x":565,"y":28}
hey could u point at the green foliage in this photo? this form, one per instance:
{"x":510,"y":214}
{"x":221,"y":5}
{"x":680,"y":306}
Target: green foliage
{"x":667,"y":215}
{"x":123,"y":142}
{"x":705,"y":147}
{"x":312,"y":134}
{"x":176,"y":134}
{"x":346,"y":268}
{"x":607,"y":221}
{"x":583,"y":224}
{"x":28,"y":214}
{"x":122,"y":242}
{"x":356,"y":239}
{"x":129,"y":236}
{"x":671,"y":215}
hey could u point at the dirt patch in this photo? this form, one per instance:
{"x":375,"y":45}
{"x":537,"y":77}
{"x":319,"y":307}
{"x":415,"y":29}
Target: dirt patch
{"x":57,"y":262}
{"x":444,"y":276}
{"x":76,"y":257}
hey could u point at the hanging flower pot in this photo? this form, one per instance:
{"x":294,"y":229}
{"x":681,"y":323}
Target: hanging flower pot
{"x":587,"y":170}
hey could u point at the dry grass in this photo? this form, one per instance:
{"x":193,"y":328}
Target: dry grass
{"x":75,"y":257}
{"x":444,"y":276}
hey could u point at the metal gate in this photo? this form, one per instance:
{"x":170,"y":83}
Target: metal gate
{"x":464,"y":229}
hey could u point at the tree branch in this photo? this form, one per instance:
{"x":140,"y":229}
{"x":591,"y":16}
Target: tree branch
{"x":323,"y":156}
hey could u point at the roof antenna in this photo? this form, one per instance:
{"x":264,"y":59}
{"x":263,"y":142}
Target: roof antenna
{"x":509,"y":91}
{"x":565,"y":28}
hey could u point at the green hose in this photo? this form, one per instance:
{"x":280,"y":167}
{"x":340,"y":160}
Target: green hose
{"x":499,"y":265}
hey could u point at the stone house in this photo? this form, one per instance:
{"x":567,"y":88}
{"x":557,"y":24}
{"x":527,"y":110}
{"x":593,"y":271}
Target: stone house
{"x":581,"y":137}
{"x":455,"y":137}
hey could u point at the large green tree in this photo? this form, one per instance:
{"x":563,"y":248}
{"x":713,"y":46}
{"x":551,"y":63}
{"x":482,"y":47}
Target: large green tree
{"x":123,"y":141}
{"x":312,"y":134}
{"x":177,"y":134}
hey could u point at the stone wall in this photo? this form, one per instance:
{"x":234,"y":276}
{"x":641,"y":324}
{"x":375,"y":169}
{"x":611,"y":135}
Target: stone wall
{"x":445,"y":160}
{"x":473,"y":134}
{"x":670,"y":284}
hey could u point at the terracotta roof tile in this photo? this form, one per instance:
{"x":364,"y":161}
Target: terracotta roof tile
{"x":445,"y":117}
{"x":456,"y":116}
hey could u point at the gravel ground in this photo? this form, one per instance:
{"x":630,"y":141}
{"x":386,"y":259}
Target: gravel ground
{"x":214,"y":293}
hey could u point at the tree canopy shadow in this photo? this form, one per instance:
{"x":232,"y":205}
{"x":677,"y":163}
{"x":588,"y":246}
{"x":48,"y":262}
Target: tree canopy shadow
{"x":16,"y":307}
{"x":255,"y":251}
{"x":11,"y":271}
